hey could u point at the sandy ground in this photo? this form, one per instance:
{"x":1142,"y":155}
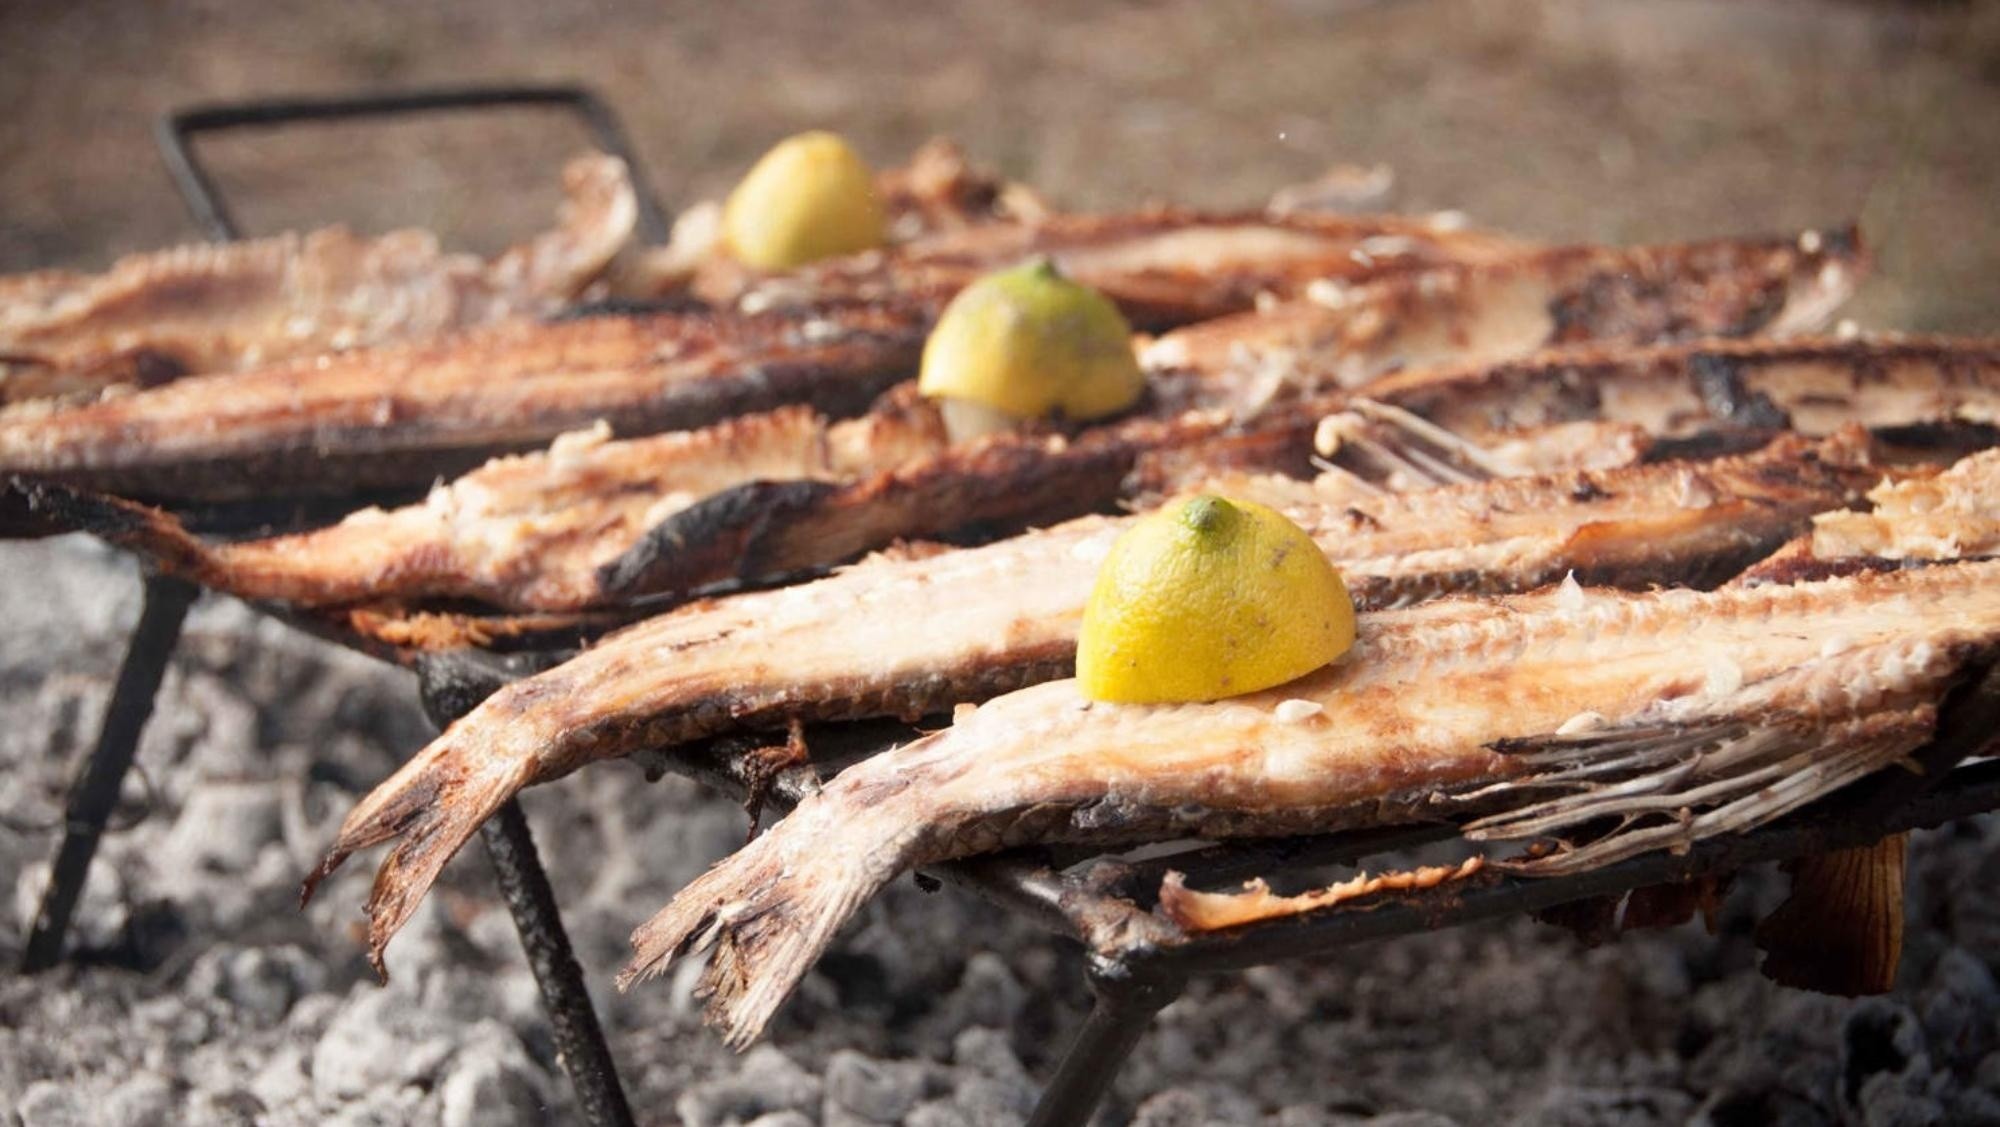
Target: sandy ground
{"x":201,"y":995}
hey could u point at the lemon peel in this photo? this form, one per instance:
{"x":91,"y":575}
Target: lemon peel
{"x":810,"y":197}
{"x":1210,"y":598}
{"x":1027,"y":342}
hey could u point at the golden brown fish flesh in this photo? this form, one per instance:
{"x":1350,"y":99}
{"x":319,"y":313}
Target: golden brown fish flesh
{"x":1692,"y":713}
{"x":155,"y":317}
{"x":1163,"y":267}
{"x":405,"y":415}
{"x":1006,"y":615}
{"x":1475,"y":313}
{"x":759,"y":495}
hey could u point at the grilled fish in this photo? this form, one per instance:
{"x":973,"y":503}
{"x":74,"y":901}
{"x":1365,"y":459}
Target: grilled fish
{"x":1695,"y":713}
{"x":1163,"y":267}
{"x":527,"y":532}
{"x":155,"y":317}
{"x":403,"y":416}
{"x":1474,"y":314}
{"x":1951,"y":515}
{"x":1016,"y":479}
{"x":606,"y":521}
{"x":1006,"y":615}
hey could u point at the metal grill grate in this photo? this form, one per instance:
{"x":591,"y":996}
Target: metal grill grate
{"x":1131,"y":979}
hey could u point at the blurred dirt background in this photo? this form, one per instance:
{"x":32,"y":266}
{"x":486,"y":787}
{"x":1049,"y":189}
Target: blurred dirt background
{"x":200,"y":995}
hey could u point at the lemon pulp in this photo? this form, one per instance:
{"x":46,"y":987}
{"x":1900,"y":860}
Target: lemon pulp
{"x":810,"y":197}
{"x":1027,"y":342}
{"x":1210,"y":598}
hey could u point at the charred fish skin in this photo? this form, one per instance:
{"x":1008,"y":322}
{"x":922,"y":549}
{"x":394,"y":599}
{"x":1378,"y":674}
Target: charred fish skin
{"x":524,"y":533}
{"x":1696,"y":399}
{"x":1912,"y":522}
{"x":155,"y":317}
{"x":1006,"y":615}
{"x":1457,"y":696}
{"x":1813,"y":385}
{"x":405,"y":416}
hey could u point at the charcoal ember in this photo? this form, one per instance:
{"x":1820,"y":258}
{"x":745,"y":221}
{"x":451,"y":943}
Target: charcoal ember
{"x":378,"y":1040}
{"x":223,"y":828}
{"x":101,"y":913}
{"x":281,"y":1079}
{"x":492,"y":1082}
{"x":993,"y":1086}
{"x":766,"y":1080}
{"x":861,"y":1089}
{"x":940,"y":1113}
{"x":263,"y":981}
{"x":1886,"y":1075}
{"x":47,"y":1103}
{"x":1957,"y":1009}
{"x":389,"y":1107}
{"x":1564,"y":1106}
{"x":144,"y":1100}
{"x":987,"y":994}
{"x":1195,"y":1107}
{"x":233,"y":1108}
{"x":1974,"y":1108}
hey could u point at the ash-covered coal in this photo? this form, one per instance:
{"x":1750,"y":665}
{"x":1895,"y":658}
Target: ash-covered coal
{"x":198,"y":992}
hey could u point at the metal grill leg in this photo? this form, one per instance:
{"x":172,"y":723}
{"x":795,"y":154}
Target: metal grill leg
{"x":451,"y":687}
{"x":579,"y":1038}
{"x":95,"y":792}
{"x":1125,"y":1007}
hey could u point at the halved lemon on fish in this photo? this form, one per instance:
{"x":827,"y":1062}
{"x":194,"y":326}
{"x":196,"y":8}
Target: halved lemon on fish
{"x":1210,"y":598}
{"x":1029,"y":343}
{"x":810,"y":197}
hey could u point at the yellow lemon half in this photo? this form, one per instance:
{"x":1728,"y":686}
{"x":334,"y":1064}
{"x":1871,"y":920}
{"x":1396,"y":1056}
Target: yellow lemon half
{"x":811,"y":197}
{"x":1028,"y":343}
{"x":1210,"y":598}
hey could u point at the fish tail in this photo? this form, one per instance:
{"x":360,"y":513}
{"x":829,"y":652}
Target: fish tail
{"x":1841,"y":930}
{"x":156,"y":535}
{"x":767,"y":913}
{"x":430,"y":809}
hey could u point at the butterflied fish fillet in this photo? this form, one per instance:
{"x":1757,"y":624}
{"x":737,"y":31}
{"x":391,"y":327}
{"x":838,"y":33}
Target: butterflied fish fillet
{"x":527,"y":532}
{"x":787,"y":491}
{"x":403,"y":416}
{"x":1006,"y":615}
{"x":1480,"y":313}
{"x":1703,"y":713}
{"x":1163,"y":267}
{"x":1023,"y":478}
{"x":159,"y":316}
{"x":1205,"y":392}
